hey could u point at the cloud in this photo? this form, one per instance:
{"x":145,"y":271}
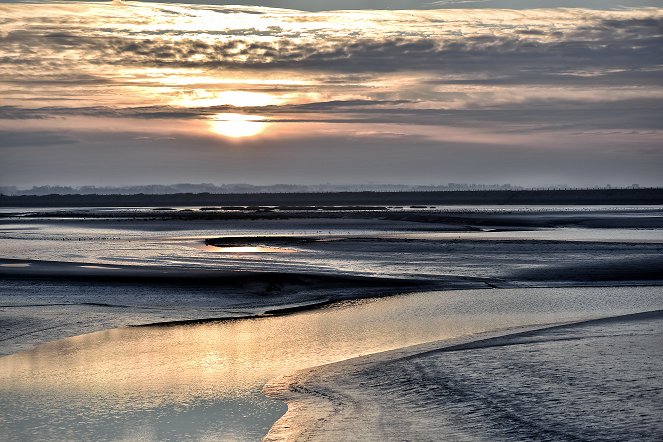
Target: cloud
{"x":531,"y":116}
{"x":383,"y":78}
{"x":456,"y":2}
{"x":21,"y":138}
{"x":591,"y":38}
{"x":609,"y":44}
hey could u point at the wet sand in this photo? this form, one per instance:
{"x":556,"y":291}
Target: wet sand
{"x":208,"y":377}
{"x":590,"y":380}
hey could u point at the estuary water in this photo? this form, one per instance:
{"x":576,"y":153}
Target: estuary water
{"x":62,"y":278}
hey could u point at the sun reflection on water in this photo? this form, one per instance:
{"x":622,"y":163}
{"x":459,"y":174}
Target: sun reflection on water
{"x":244,"y":249}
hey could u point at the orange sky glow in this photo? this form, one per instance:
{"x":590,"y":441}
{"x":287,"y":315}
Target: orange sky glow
{"x":442,"y":85}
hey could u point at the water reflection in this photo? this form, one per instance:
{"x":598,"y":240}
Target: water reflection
{"x":244,"y":249}
{"x":204,"y":381}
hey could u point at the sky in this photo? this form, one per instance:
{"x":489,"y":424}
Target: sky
{"x":503,"y":91}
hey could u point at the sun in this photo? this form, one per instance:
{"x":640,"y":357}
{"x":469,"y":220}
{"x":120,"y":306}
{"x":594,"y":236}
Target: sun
{"x":237,"y":125}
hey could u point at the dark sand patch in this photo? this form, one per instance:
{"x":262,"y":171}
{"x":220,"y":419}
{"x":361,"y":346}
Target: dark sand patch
{"x":178,"y":276}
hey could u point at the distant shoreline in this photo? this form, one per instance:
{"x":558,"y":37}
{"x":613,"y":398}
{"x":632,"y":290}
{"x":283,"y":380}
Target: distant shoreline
{"x":490,"y":197}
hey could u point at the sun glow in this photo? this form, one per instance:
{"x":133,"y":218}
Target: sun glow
{"x":202,"y":98}
{"x":237,"y":125}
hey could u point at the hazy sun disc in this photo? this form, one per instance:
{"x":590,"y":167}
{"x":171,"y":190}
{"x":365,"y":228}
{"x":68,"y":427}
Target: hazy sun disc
{"x":237,"y":125}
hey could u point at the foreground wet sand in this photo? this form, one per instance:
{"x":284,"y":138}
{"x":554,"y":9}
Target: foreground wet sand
{"x":590,"y":380}
{"x":205,"y":380}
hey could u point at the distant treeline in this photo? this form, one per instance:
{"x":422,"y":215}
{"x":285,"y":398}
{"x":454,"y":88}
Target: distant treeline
{"x":495,"y":197}
{"x":164,"y":189}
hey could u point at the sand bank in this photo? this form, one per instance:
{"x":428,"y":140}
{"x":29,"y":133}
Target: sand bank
{"x":43,"y":301}
{"x":588,"y":380}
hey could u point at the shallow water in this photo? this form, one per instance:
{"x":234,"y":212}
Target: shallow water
{"x":203,"y":382}
{"x":653,"y":236}
{"x":367,"y":247}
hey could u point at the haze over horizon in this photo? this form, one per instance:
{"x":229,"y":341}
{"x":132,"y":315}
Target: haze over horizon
{"x":132,"y":93}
